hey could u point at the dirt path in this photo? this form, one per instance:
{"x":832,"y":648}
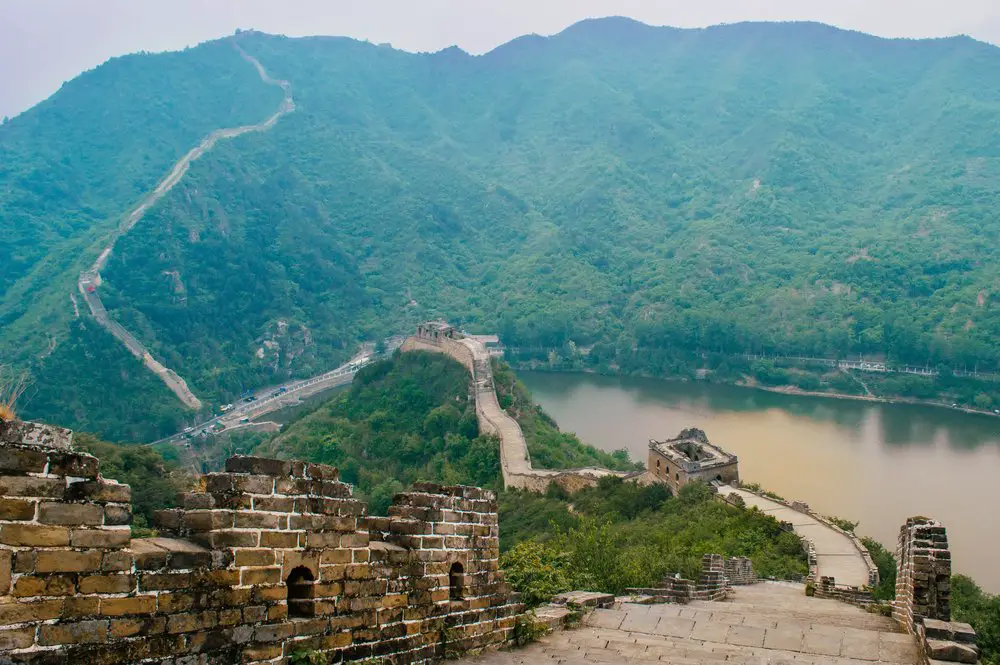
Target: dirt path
{"x":90,"y":280}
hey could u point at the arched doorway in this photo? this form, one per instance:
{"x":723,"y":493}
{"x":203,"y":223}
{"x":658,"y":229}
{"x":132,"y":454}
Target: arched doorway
{"x":300,"y":593}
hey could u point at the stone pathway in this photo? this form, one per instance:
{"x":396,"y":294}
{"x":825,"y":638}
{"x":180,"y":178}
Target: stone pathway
{"x":836,"y":555}
{"x":764,"y":623}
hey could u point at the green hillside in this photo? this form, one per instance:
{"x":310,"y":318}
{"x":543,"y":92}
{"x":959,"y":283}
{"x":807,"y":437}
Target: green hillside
{"x":786,"y":188}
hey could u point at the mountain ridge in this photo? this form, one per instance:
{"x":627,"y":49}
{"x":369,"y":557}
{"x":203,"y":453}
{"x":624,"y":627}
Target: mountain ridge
{"x":714,"y":191}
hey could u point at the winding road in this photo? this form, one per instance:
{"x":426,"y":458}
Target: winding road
{"x":90,"y":279}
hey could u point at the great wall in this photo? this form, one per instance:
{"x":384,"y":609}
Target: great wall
{"x":274,"y":561}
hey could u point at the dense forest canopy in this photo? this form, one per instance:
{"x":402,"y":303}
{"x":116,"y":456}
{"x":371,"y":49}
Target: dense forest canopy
{"x":785,"y":188}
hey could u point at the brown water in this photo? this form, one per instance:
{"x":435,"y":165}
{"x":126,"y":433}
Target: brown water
{"x":873,"y":463}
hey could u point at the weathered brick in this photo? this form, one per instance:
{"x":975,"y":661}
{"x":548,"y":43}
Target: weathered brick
{"x":24,"y":561}
{"x":53,"y":561}
{"x":273,"y":633}
{"x":186,"y":623}
{"x":138,"y":626}
{"x":99,"y":490}
{"x":72,"y":514}
{"x":163,"y":581}
{"x":255,"y":558}
{"x":33,"y":535}
{"x":174,"y":602}
{"x":117,"y":515}
{"x":32,"y":486}
{"x":254,"y":484}
{"x":253,"y":520}
{"x":49,"y":585}
{"x":106,"y":538}
{"x":116,"y":561}
{"x":6,"y":564}
{"x":133,"y":605}
{"x":18,"y":612}
{"x":19,"y":638}
{"x":81,"y":632}
{"x":257,"y":576}
{"x":274,"y":504}
{"x":77,"y":465}
{"x":258,"y":466}
{"x":17,"y":509}
{"x":107,"y":584}
{"x":207,"y":520}
{"x":231,"y":538}
{"x":279,"y":539}
{"x":22,"y":460}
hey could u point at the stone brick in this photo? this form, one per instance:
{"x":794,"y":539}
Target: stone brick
{"x":207,"y":520}
{"x":107,"y":584}
{"x":19,"y":638}
{"x":51,"y":561}
{"x":165,"y":581}
{"x":106,"y":538}
{"x":33,"y":535}
{"x":32,"y":486}
{"x":81,"y":632}
{"x":72,"y":514}
{"x":133,"y":605}
{"x":17,"y":509}
{"x":231,"y":538}
{"x":22,"y":460}
{"x":49,"y":585}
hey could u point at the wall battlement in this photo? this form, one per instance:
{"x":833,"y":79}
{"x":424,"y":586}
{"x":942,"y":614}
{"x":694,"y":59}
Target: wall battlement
{"x":261,"y":561}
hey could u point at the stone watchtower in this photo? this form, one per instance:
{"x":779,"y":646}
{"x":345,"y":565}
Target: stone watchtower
{"x":267,"y":559}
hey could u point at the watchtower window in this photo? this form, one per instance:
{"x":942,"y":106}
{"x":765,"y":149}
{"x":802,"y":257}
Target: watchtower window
{"x":300,"y":593}
{"x":456,"y":581}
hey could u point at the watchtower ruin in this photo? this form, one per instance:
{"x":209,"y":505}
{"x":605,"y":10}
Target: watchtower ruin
{"x":689,"y":457}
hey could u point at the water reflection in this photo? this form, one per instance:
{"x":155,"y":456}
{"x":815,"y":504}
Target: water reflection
{"x":877,"y":463}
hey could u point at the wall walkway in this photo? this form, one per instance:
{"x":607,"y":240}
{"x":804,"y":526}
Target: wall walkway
{"x":515,"y":462}
{"x":837,"y":553}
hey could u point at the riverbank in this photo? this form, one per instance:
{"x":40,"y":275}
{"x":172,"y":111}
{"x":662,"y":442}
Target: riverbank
{"x":745,"y":381}
{"x":795,"y":390}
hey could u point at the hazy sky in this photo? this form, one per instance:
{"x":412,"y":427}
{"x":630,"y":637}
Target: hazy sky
{"x":46,"y":42}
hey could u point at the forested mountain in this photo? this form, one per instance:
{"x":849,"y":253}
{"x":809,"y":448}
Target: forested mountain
{"x":787,"y":188}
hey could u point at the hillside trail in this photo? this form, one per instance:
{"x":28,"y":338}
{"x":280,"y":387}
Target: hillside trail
{"x":90,"y":279}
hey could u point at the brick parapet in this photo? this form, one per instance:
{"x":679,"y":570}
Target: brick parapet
{"x":923,"y":594}
{"x":410,"y":587}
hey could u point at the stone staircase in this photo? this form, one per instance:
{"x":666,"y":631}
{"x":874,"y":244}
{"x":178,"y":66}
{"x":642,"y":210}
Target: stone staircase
{"x":764,"y":623}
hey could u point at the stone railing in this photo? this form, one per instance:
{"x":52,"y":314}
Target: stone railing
{"x":268,"y":559}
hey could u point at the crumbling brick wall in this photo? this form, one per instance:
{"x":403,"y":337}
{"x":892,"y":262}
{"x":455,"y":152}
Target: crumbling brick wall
{"x":264,"y":560}
{"x":923,"y":574}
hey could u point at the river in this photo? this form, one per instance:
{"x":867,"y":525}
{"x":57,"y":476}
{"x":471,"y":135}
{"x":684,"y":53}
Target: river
{"x":873,"y":463}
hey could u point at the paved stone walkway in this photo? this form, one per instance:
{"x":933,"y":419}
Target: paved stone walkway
{"x":765,"y":623}
{"x":836,"y":555}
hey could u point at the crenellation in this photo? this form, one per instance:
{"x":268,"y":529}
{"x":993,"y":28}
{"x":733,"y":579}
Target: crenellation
{"x":264,"y":559}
